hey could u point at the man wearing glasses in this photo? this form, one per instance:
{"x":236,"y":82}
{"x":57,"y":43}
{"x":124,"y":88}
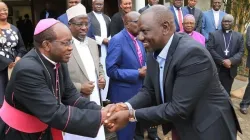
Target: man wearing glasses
{"x":86,"y":71}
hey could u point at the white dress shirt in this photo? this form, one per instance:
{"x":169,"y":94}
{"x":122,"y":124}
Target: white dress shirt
{"x":216,"y":18}
{"x":103,"y":27}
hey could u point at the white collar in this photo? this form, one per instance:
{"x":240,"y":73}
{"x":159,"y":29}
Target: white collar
{"x":97,"y":13}
{"x":51,"y":61}
{"x":77,"y":42}
{"x":163,"y":54}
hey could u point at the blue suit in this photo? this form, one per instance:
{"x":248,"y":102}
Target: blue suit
{"x":208,"y":23}
{"x":122,"y":64}
{"x":184,"y":12}
{"x":64,"y":19}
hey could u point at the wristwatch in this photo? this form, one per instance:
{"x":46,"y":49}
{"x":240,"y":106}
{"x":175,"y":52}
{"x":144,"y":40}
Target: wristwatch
{"x":132,"y":115}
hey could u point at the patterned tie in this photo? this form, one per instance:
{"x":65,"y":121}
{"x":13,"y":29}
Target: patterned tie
{"x":139,"y":53}
{"x":57,"y":134}
{"x":180,"y":19}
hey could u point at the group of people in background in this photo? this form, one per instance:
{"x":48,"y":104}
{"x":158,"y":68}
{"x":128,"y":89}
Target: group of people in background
{"x":194,"y":52}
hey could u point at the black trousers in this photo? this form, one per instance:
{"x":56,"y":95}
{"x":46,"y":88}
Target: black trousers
{"x":139,"y":132}
{"x":226,"y":79}
{"x":246,"y":98}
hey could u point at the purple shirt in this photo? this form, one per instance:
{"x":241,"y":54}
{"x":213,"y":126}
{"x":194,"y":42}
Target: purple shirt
{"x":198,"y":37}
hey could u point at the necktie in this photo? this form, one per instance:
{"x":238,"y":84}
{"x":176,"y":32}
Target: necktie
{"x":180,"y":19}
{"x":57,"y":134}
{"x":139,"y":53}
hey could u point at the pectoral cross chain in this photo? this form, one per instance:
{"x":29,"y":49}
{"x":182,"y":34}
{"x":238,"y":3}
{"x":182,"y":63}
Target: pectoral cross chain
{"x":226,"y":52}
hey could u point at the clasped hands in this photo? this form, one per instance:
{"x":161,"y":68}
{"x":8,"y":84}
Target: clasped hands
{"x":115,"y":116}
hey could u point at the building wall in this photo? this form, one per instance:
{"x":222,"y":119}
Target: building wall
{"x":20,"y":11}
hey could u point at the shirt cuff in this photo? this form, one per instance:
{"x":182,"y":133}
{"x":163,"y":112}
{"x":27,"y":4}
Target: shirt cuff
{"x":99,"y":40}
{"x":130,"y":108}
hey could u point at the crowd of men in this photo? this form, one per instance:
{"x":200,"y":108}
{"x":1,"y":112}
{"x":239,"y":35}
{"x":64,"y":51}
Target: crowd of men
{"x":171,"y":66}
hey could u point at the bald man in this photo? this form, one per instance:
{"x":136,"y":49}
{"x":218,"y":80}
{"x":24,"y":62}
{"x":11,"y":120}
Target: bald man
{"x":126,"y":67}
{"x":189,"y":26}
{"x":181,"y":88}
{"x":227,"y":48}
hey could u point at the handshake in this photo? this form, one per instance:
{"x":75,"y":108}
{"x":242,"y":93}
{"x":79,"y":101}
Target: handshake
{"x":116,"y":116}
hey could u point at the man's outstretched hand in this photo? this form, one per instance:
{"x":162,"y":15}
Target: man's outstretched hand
{"x":117,"y":120}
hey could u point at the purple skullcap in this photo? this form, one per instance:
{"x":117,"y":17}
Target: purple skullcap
{"x":44,"y":24}
{"x":189,"y":16}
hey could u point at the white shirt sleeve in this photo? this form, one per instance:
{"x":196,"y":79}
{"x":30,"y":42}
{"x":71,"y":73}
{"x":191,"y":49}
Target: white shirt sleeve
{"x":99,"y":40}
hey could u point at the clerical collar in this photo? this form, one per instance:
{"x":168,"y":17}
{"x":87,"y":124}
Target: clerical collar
{"x":227,"y":31}
{"x":132,"y":36}
{"x":51,"y":61}
{"x":190,"y":34}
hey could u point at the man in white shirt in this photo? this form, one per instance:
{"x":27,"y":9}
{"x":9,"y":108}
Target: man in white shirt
{"x":86,"y":71}
{"x":100,"y":23}
{"x":212,"y":19}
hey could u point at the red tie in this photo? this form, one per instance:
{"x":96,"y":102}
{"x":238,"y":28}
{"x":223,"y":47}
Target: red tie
{"x":180,"y":19}
{"x":57,"y":134}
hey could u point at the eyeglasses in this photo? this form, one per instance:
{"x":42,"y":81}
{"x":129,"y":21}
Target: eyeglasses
{"x":65,"y":43}
{"x":79,"y":25}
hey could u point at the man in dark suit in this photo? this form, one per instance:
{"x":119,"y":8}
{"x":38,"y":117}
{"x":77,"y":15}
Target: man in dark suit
{"x":47,"y":12}
{"x":246,"y":98}
{"x":126,"y":67}
{"x":181,"y":88}
{"x":40,"y":98}
{"x":227,"y":49}
{"x":117,"y":24}
{"x":197,"y":13}
{"x":150,"y":3}
{"x":178,"y":13}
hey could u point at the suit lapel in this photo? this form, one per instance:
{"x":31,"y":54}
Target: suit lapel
{"x":233,"y":40}
{"x":175,"y":17}
{"x":152,"y":63}
{"x":212,"y":15}
{"x":132,"y":45}
{"x":94,"y":57}
{"x":221,"y":36}
{"x":79,"y":61}
{"x":169,"y":58}
{"x":220,"y":19}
